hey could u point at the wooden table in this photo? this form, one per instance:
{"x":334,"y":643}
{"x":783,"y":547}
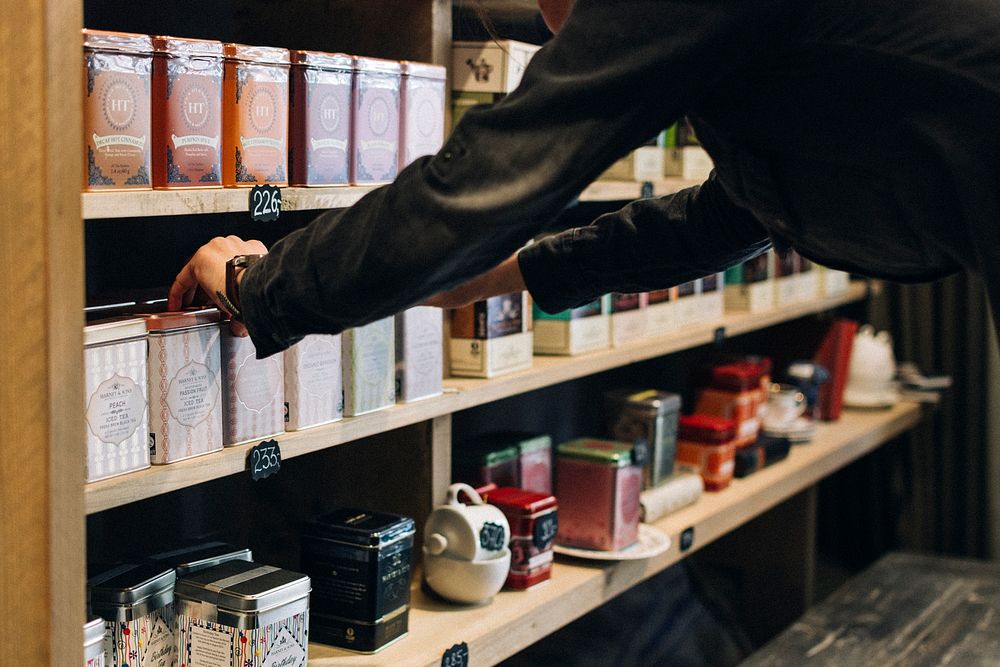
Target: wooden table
{"x":904,"y":610}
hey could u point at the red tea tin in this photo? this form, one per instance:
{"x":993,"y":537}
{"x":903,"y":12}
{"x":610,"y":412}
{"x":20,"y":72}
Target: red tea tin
{"x":706,"y":446}
{"x":533,"y":523}
{"x":598,"y":483}
{"x":320,"y":116}
{"x":187,"y":113}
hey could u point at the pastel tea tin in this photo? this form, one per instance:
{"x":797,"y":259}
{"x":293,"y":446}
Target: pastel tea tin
{"x":376,"y":120}
{"x":313,"y":382}
{"x":369,"y":367}
{"x":320,"y":114}
{"x":136,"y":601}
{"x":253,"y":392}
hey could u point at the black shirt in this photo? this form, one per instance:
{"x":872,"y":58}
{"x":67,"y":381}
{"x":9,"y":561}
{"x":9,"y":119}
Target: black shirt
{"x":862,"y":133}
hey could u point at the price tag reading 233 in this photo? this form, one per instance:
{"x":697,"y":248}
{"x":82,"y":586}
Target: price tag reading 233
{"x":264,"y":460}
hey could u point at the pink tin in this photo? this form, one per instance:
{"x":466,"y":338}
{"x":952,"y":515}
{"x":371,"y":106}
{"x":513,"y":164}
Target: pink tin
{"x":422,"y":102}
{"x":320,"y":118}
{"x":253,"y":391}
{"x":376,"y":120}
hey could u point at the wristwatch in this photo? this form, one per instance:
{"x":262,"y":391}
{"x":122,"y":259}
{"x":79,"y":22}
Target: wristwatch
{"x":231,"y":298}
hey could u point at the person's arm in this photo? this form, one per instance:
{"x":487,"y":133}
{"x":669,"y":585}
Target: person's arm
{"x":617,"y":73}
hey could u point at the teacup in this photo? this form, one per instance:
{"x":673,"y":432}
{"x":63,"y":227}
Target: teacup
{"x":473,"y":532}
{"x":785,"y":404}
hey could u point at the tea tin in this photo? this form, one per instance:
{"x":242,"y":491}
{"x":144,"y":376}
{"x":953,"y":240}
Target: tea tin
{"x":360,"y":562}
{"x":117,"y":73}
{"x":598,"y":483}
{"x":243,"y":613}
{"x":534,"y":461}
{"x":185,"y":385}
{"x":706,"y":445}
{"x":422,"y":100}
{"x":492,"y":337}
{"x":187,"y":113}
{"x":253,"y":395}
{"x":369,"y":367}
{"x":320,"y":113}
{"x":489,"y":459}
{"x":93,"y":642}
{"x":534,"y":521}
{"x":314,"y":392}
{"x":136,"y":601}
{"x":375,"y":121}
{"x":419,"y":353}
{"x":649,"y":415}
{"x":116,"y":411}
{"x":199,"y":556}
{"x":255,"y":116}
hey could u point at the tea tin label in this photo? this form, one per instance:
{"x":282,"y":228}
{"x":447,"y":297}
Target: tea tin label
{"x":116,"y":410}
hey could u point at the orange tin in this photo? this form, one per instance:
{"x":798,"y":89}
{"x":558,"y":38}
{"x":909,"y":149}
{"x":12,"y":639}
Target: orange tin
{"x":117,"y":70}
{"x":187,"y":113}
{"x":255,"y":116}
{"x":706,"y":445}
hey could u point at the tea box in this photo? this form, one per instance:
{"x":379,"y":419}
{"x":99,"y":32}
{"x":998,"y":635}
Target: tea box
{"x":253,"y":391}
{"x":314,"y":392}
{"x":320,"y":114}
{"x":116,"y":410}
{"x":786,"y":286}
{"x":494,"y":66}
{"x":117,"y":74}
{"x":369,"y":367}
{"x":187,"y":113}
{"x":376,"y":121}
{"x":136,"y":601}
{"x":711,"y":300}
{"x":598,"y":483}
{"x":750,"y":286}
{"x":574,"y":331}
{"x":243,"y":613}
{"x":534,"y":521}
{"x":422,"y":96}
{"x":661,"y":311}
{"x":492,"y":337}
{"x":419,"y":353}
{"x":185,"y":385}
{"x":360,"y":563}
{"x":808,"y":280}
{"x":706,"y":445}
{"x":687,"y":303}
{"x":650,"y":415}
{"x":735,"y":393}
{"x":629,"y":321}
{"x":255,"y":116}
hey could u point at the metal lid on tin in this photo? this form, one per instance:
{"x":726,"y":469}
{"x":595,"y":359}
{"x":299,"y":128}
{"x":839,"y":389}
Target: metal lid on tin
{"x":178,"y":320}
{"x":362,"y":527}
{"x":183,"y":46}
{"x":121,"y":42}
{"x":114,"y":330}
{"x":652,"y":400}
{"x":322,"y":60}
{"x":705,"y":429}
{"x":534,"y":443}
{"x":128,"y":584}
{"x":93,"y":631}
{"x":520,"y":500}
{"x":606,"y":452}
{"x":244,"y":586}
{"x":261,"y":55}
{"x":376,"y":65}
{"x":203,"y":555}
{"x":422,"y":70}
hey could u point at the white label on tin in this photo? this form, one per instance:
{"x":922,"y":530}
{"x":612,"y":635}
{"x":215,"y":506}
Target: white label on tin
{"x":190,"y":396}
{"x":339,"y":144}
{"x":119,"y":140}
{"x":284,"y":651}
{"x":257,"y":382}
{"x":115,"y":409}
{"x":159,"y":649}
{"x":210,"y":648}
{"x":194,"y":140}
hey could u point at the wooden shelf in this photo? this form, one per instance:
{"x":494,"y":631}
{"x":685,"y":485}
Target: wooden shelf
{"x":517,"y":619}
{"x":460,"y":394}
{"x":146,"y":203}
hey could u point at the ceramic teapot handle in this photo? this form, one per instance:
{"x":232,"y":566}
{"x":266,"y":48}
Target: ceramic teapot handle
{"x":455,"y":489}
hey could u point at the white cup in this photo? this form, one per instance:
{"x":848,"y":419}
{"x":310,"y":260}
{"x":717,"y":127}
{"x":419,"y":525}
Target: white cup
{"x":785,"y":404}
{"x":473,"y":532}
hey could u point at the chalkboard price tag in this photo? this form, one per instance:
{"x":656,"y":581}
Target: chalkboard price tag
{"x":545,"y":530}
{"x":687,"y":539}
{"x":456,"y":656}
{"x":264,"y":460}
{"x":646,"y":191}
{"x":719,"y":337}
{"x":265,"y":203}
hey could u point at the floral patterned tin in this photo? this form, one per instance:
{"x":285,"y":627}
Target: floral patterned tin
{"x":376,"y":120}
{"x":185,"y":385}
{"x":136,"y":601}
{"x":93,"y":642}
{"x":117,"y":72}
{"x":115,"y":381}
{"x":369,"y":354}
{"x":243,"y":613}
{"x":598,"y":483}
{"x":253,"y":393}
{"x":255,"y":116}
{"x":187,"y":113}
{"x":422,"y":94}
{"x":419,"y":353}
{"x":533,"y":523}
{"x":320,"y":113}
{"x":314,"y":391}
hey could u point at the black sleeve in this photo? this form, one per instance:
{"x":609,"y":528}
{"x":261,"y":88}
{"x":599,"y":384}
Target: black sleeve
{"x":650,"y":244}
{"x":617,"y":73}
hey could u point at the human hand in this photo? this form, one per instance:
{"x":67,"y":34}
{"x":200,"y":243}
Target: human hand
{"x":502,"y":279}
{"x":205,"y":274}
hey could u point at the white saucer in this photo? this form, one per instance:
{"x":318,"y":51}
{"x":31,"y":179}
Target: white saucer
{"x":652,"y":542}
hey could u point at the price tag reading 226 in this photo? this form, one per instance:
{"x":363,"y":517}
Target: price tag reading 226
{"x":264,"y":460}
{"x":265,"y":203}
